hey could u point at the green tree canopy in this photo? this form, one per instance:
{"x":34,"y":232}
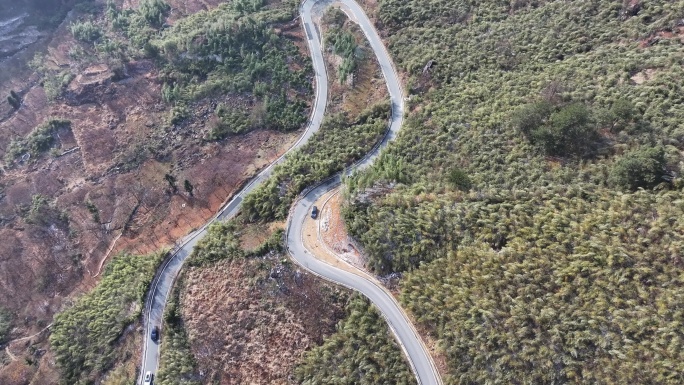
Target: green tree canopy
{"x":643,"y":168}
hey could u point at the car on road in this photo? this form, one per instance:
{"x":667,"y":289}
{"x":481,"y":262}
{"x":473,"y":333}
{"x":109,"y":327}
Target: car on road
{"x":155,"y":333}
{"x":314,"y":212}
{"x":148,"y":378}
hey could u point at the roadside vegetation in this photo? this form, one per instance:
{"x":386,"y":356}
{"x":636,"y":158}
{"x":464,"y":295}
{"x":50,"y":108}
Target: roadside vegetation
{"x":177,"y":366}
{"x":361,"y":351}
{"x":276,"y":289}
{"x":220,"y":243}
{"x":533,"y":200}
{"x":123,"y":60}
{"x":344,"y":339}
{"x":342,"y":42}
{"x":85,"y":337}
{"x":339,"y":143}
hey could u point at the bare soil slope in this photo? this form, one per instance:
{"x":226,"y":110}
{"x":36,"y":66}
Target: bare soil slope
{"x":100,"y":189}
{"x":249,"y":321}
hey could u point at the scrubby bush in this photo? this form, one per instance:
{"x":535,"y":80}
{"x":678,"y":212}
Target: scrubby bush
{"x":85,"y":31}
{"x":178,"y":114}
{"x":343,"y":44}
{"x":229,"y":122}
{"x":52,"y":80}
{"x":45,"y":212}
{"x":643,"y":168}
{"x":154,"y":11}
{"x":5,"y":324}
{"x":40,"y":140}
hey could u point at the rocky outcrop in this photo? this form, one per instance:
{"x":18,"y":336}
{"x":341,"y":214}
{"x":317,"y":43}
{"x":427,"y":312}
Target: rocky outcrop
{"x":88,"y":85}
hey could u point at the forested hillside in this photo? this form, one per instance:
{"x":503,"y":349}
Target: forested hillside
{"x":533,"y":201}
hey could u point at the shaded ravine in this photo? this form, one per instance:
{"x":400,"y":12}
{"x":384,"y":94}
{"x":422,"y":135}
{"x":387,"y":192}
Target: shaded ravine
{"x":410,"y":341}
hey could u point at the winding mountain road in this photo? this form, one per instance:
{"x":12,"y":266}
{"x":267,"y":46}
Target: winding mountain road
{"x":420,"y":360}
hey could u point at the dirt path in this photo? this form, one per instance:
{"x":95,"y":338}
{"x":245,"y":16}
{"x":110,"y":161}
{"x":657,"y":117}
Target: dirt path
{"x":7,"y":348}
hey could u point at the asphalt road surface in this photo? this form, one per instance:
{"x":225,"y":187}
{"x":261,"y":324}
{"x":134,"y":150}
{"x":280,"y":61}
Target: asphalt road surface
{"x":411,"y":343}
{"x":421,"y":362}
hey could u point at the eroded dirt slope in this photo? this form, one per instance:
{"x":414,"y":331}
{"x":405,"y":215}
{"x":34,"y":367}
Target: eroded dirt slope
{"x":249,"y":321}
{"x":101,"y":188}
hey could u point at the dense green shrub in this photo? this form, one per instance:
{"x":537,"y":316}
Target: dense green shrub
{"x":558,"y":130}
{"x":343,"y":44}
{"x":85,"y":31}
{"x":641,"y":168}
{"x":84,"y":336}
{"x":569,"y":131}
{"x":230,"y":122}
{"x":619,"y":115}
{"x":362,"y":351}
{"x":154,"y":11}
{"x":531,"y":116}
{"x":459,"y":179}
{"x":221,"y":242}
{"x":14,"y":100}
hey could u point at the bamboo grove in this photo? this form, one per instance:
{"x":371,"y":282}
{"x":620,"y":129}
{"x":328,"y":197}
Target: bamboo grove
{"x":533,"y":201}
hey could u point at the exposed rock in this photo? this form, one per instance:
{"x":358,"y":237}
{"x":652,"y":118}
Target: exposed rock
{"x":86,"y":86}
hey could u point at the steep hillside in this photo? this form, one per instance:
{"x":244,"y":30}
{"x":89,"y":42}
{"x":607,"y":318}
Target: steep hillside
{"x":133,"y":126}
{"x":533,"y":202}
{"x":242,"y":312}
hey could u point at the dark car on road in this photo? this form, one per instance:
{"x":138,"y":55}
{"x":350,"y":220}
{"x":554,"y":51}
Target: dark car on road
{"x":314,"y":212}
{"x":155,"y":334}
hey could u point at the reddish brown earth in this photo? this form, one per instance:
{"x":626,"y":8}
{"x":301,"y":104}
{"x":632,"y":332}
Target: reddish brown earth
{"x":52,"y":257}
{"x":249,"y":321}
